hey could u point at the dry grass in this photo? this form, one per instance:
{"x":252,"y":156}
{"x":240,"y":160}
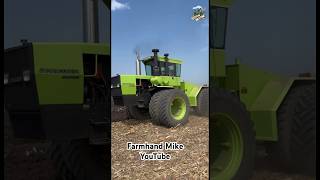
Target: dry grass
{"x":190,"y":163}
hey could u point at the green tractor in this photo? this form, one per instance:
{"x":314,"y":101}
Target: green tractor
{"x":59,"y":92}
{"x":160,"y":95}
{"x":250,"y":106}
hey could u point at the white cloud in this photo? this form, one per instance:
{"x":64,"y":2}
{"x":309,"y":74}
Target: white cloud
{"x":115,"y":5}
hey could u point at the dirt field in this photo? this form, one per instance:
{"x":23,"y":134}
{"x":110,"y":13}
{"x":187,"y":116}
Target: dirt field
{"x":27,"y":160}
{"x":191,"y":163}
{"x":188,"y":163}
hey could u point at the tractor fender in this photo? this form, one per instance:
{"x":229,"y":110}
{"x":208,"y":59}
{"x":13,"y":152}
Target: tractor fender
{"x":293,"y":82}
{"x":264,"y":110}
{"x":192,"y":92}
{"x":201,"y":87}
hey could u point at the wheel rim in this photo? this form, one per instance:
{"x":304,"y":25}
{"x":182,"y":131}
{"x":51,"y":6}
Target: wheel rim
{"x":178,"y":108}
{"x":227,"y":147}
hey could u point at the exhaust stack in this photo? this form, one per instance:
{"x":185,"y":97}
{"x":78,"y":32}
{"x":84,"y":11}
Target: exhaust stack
{"x":90,"y":23}
{"x":138,"y":63}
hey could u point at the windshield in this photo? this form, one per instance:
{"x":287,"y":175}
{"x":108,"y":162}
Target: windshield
{"x":148,"y":70}
{"x":218,"y":24}
{"x":171,"y":70}
{"x":178,"y":70}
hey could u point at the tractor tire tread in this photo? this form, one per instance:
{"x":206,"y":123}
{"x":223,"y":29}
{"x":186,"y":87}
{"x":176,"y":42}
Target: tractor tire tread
{"x":202,"y":108}
{"x":297,"y":131}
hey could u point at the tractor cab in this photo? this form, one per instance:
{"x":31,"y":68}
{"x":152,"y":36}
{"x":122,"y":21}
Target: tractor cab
{"x":162,"y":65}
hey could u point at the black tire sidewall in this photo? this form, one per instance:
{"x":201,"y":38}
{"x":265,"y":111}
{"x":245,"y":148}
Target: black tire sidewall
{"x":154,"y":106}
{"x":202,"y":108}
{"x":77,"y":160}
{"x":225,"y":102}
{"x":286,"y":151}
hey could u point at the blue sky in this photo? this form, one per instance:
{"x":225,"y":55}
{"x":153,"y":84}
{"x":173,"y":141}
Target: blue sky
{"x":166,"y":25}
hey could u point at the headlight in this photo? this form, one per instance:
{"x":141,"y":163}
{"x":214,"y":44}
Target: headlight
{"x":26,"y":75}
{"x":5,"y":78}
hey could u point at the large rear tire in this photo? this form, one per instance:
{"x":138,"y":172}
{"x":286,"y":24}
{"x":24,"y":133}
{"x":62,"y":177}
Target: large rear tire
{"x":154,"y":106}
{"x":296,"y":146}
{"x":169,"y":108}
{"x":202,"y":108}
{"x":77,"y":160}
{"x":232,"y":137}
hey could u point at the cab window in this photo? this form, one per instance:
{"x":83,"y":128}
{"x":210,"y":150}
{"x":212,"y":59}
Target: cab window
{"x":178,"y":70}
{"x":148,"y":70}
{"x":218,"y":24}
{"x":171,"y":69}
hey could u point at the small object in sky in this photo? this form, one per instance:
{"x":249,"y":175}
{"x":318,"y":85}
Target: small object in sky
{"x":198,"y":13}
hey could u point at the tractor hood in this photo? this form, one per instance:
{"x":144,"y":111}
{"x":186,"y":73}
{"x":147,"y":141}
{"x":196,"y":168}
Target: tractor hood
{"x":128,"y":83}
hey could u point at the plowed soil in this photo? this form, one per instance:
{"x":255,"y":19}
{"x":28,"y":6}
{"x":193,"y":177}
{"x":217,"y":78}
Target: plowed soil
{"x":27,"y":160}
{"x":189,"y":163}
